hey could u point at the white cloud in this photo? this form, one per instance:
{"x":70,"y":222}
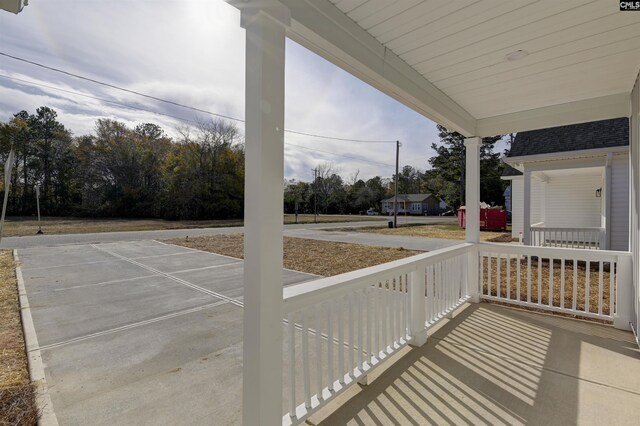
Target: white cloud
{"x":192,"y":52}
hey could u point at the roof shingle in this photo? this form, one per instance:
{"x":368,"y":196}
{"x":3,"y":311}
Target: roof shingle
{"x":576,"y":137}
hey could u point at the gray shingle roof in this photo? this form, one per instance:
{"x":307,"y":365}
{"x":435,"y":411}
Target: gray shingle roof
{"x":409,"y":198}
{"x":510,"y":171}
{"x":576,"y":137}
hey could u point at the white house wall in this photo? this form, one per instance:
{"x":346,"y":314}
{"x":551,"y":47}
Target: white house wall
{"x":620,"y":203}
{"x":571,"y":201}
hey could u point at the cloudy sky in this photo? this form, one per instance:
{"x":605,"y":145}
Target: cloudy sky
{"x":192,"y":52}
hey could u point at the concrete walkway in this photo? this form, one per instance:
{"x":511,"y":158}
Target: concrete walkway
{"x":139,"y":333}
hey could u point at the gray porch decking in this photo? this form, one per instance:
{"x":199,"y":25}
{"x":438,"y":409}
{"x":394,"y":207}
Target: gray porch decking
{"x":496,"y":365}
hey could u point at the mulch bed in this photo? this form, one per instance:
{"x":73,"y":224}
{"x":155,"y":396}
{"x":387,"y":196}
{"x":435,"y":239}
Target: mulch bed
{"x":544,"y":289}
{"x":325,"y":258}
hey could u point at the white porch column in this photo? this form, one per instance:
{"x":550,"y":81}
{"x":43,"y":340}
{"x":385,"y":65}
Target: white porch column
{"x":472,"y":189}
{"x":543,"y":197}
{"x":472,"y":205}
{"x":265,"y":26}
{"x":526,"y":222}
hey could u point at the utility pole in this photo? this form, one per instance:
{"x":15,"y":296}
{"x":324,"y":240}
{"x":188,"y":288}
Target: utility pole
{"x":38,"y":204}
{"x":395,"y":202}
{"x":315,"y":195}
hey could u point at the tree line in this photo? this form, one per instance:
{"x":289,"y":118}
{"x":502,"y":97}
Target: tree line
{"x":330,"y":193}
{"x":124,"y":172}
{"x":141,"y":172}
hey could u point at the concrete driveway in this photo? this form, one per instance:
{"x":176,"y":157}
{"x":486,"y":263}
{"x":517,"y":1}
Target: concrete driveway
{"x":139,"y":332}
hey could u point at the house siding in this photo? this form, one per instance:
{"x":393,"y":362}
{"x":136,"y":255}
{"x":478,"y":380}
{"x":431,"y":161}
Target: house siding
{"x":571,"y":201}
{"x":620,"y":203}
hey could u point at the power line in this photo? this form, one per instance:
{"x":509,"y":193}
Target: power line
{"x":112,"y":86}
{"x":174,"y":117}
{"x":134,"y":92}
{"x":364,"y":160}
{"x":336,"y":138}
{"x":73,"y":92}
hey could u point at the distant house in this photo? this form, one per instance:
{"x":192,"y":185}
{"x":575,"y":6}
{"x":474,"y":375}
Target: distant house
{"x":414,"y":204}
{"x":578,"y":184}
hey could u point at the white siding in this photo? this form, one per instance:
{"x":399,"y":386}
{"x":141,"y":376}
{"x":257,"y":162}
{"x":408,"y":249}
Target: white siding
{"x":572,"y":202}
{"x":517,"y":204}
{"x":620,"y":203}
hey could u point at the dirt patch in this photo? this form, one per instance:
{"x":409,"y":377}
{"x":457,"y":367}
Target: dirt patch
{"x":446,"y":231}
{"x":17,"y":396}
{"x":323,"y":258}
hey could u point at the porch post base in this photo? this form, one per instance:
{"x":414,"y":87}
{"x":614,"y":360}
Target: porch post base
{"x":418,"y":339}
{"x":622,"y":323}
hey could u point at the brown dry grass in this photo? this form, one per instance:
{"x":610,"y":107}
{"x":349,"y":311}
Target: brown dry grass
{"x":446,"y":231}
{"x":324,"y":258}
{"x":542,"y":272}
{"x":18,"y":227}
{"x":17,"y":399}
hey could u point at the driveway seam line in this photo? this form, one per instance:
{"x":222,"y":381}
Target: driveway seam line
{"x":131,"y":326}
{"x":121,"y":280}
{"x":176,"y":279}
{"x":204,"y":268}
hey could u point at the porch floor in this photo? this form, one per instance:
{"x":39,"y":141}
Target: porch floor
{"x":496,"y":365}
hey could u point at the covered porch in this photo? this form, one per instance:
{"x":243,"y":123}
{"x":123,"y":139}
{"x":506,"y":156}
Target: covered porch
{"x":495,"y":365}
{"x":449,"y":64}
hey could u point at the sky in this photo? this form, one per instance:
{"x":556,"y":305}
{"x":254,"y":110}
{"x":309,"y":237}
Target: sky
{"x":192,"y":52}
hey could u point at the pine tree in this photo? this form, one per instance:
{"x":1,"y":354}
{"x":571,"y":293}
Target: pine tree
{"x":447,"y":175}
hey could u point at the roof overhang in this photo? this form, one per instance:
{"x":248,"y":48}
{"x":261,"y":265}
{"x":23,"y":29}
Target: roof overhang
{"x":13,"y":6}
{"x":446,"y":60}
{"x":325,"y":30}
{"x":586,"y":153}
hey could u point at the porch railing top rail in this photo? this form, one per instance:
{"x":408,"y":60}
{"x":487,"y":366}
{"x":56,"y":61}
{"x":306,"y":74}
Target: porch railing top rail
{"x":555,"y":252}
{"x":308,"y":293}
{"x":543,"y":227}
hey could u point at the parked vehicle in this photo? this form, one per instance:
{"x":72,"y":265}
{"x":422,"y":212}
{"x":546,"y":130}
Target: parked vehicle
{"x":372,"y":212}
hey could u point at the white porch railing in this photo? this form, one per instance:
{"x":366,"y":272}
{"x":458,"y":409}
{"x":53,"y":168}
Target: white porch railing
{"x":340,"y":328}
{"x":573,"y":281}
{"x":577,"y":238}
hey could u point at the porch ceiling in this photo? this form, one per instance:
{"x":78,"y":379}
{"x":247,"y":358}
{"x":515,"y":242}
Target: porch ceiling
{"x":448,"y":60}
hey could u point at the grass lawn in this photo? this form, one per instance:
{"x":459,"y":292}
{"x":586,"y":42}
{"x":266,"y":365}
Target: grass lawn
{"x":324,"y":258}
{"x":17,"y":400}
{"x":15,"y":227}
{"x":449,"y":231}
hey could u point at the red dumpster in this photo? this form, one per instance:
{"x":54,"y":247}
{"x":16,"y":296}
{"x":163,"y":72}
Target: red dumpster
{"x":490,"y":218}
